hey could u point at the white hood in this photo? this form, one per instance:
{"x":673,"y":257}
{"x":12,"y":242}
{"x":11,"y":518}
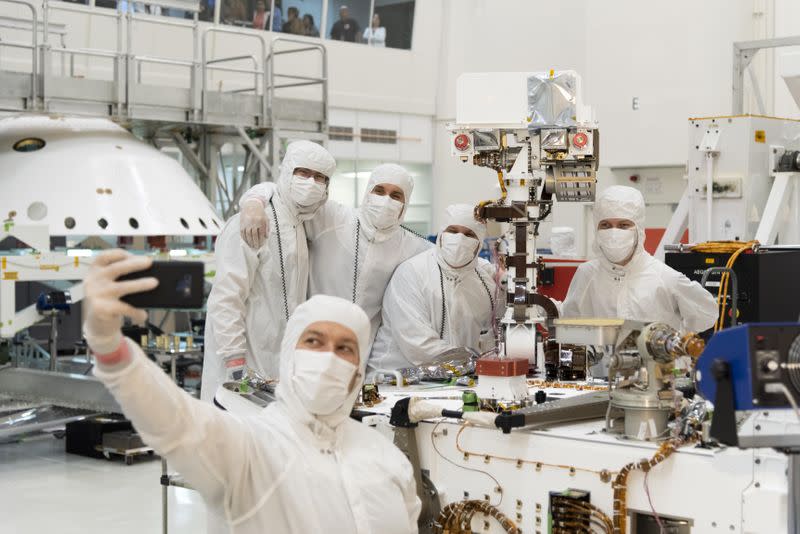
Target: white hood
{"x":388,"y":173}
{"x":310,"y":156}
{"x":620,"y":202}
{"x":461,"y":215}
{"x":321,"y":308}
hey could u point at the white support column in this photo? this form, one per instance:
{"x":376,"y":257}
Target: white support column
{"x":779,"y":197}
{"x":677,"y":225}
{"x":8,"y":302}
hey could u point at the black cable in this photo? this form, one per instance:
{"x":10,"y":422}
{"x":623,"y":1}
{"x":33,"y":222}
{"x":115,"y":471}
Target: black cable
{"x":412,"y":232}
{"x":486,"y":287}
{"x":444,"y":306}
{"x":280,"y":256}
{"x":355,"y":262}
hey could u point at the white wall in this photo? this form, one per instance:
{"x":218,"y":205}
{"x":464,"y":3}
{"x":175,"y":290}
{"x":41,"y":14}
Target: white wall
{"x":674,"y":56}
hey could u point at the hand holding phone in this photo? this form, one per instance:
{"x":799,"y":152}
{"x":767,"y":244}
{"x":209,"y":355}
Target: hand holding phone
{"x":180,"y":286}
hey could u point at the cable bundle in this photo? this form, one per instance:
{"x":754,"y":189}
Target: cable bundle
{"x":572,"y":516}
{"x":735,"y":249}
{"x":620,"y":483}
{"x":456,"y":518}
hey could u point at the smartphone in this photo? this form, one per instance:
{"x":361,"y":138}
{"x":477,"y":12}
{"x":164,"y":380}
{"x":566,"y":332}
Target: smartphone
{"x":180,"y":286}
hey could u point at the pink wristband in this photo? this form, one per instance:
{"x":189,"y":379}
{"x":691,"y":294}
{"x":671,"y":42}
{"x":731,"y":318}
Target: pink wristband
{"x":238,"y":362}
{"x":113,"y":358}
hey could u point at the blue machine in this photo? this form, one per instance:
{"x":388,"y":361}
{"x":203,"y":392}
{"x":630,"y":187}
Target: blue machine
{"x":755,"y":366}
{"x":754,"y":356}
{"x":54,"y":301}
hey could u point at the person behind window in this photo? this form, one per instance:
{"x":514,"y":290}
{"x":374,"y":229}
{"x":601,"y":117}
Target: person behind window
{"x":234,"y":12}
{"x":309,"y":28}
{"x":260,"y":16}
{"x":346,"y":28}
{"x":277,"y":17}
{"x":375,"y":35}
{"x":293,"y":23}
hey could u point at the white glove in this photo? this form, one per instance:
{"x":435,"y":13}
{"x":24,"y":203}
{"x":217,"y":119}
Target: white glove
{"x":104,"y":309}
{"x":253,"y":223}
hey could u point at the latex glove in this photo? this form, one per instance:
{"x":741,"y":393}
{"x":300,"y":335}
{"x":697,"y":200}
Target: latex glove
{"x":253,"y":223}
{"x":104,"y":309}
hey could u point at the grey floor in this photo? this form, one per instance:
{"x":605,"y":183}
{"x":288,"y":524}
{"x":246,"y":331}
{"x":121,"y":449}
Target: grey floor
{"x":44,"y":489}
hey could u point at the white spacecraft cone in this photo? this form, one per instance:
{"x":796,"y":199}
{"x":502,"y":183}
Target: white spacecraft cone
{"x":90,"y":177}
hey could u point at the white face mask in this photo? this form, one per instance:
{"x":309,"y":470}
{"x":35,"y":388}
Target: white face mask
{"x":382,"y":211}
{"x":321,"y":380}
{"x":617,"y":245}
{"x":306,"y":191}
{"x":457,"y":249}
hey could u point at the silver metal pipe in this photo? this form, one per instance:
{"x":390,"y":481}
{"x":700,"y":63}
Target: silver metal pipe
{"x":150,"y":59}
{"x":162,"y":21}
{"x":164,"y":498}
{"x":235,"y":58}
{"x":295,"y":77}
{"x":53,"y":341}
{"x":235,"y":69}
{"x":85,"y":52}
{"x":299,"y":84}
{"x":84,"y":10}
{"x":34,"y":47}
{"x":794,"y":493}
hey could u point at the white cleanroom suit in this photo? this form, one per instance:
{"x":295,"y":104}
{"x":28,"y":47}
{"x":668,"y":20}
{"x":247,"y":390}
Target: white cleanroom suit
{"x":254,"y":291}
{"x":644,"y":289}
{"x":355,"y":251}
{"x":441,"y":299}
{"x":284,"y":469}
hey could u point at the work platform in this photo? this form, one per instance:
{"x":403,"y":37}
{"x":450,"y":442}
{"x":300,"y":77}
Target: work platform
{"x":210,"y":99}
{"x":129,"y":98}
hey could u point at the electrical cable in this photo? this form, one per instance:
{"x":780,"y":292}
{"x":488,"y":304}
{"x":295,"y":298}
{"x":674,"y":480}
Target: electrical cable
{"x":790,"y":397}
{"x":620,"y":483}
{"x":519,"y":461}
{"x":445,"y":458}
{"x":456,"y":517}
{"x":735,"y":249}
{"x":650,"y":502}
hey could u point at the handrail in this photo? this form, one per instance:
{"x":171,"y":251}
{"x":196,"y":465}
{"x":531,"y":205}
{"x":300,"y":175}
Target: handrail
{"x":204,"y":67}
{"x":235,"y":58}
{"x":128,"y":68}
{"x":162,"y":20}
{"x":322,"y":81}
{"x":86,"y":52}
{"x":34,"y":45}
{"x":80,"y":8}
{"x":256,"y":71}
{"x":140,"y":60}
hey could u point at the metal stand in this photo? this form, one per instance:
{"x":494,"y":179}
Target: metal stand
{"x":793,"y":496}
{"x":53,"y":340}
{"x":166,"y":479}
{"x":724,"y":430}
{"x":164,"y":497}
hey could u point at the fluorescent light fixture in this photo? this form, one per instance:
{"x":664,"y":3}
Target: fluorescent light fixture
{"x":79,"y":252}
{"x":240,"y":168}
{"x":178,"y":253}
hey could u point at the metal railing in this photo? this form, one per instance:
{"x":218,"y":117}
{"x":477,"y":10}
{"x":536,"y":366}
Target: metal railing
{"x":128,"y":66}
{"x":300,"y":81}
{"x":34,"y":46}
{"x":258,"y":70}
